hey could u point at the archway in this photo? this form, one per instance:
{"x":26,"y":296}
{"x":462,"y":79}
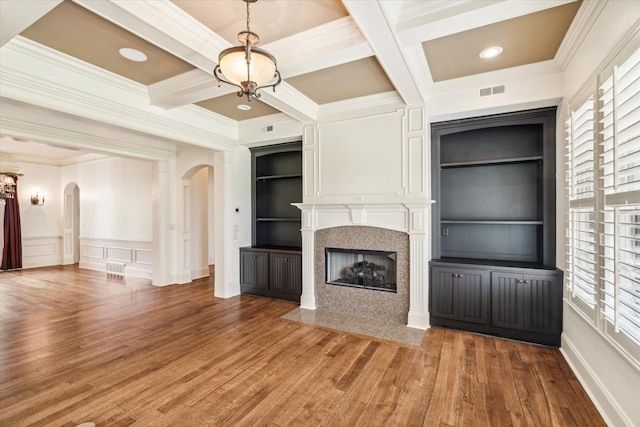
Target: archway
{"x":197,"y":233}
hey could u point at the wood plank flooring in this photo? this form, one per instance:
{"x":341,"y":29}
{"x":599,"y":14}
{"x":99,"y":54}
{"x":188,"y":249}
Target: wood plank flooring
{"x":79,"y":347}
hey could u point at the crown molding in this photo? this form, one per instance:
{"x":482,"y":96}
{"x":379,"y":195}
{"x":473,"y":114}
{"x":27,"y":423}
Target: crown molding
{"x":81,"y":140}
{"x":35,"y":160}
{"x":37,"y":75}
{"x":578,"y":30}
{"x":496,"y":77}
{"x":359,"y":107}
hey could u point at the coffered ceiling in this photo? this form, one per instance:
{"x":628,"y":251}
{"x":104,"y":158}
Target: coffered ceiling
{"x":328,"y":51}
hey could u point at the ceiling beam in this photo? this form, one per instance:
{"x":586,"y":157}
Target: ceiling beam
{"x":18,"y":15}
{"x":377,"y":29}
{"x":327,"y":45}
{"x":422,"y":22}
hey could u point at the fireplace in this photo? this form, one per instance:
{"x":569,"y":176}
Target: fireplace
{"x":375,"y":244}
{"x":383,"y":227}
{"x":361,"y":268}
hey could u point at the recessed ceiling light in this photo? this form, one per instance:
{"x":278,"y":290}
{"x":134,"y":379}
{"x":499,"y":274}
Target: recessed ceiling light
{"x":243,"y":107}
{"x":133,"y":54}
{"x":491,"y":52}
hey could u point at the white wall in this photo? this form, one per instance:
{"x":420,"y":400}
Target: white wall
{"x":374,"y":159}
{"x":115,"y":198}
{"x":612,"y":381}
{"x":199,"y":186}
{"x":242,"y":196}
{"x":41,"y":225}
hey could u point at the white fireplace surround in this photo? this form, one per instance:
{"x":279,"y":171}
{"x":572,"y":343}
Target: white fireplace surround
{"x":411,"y":218}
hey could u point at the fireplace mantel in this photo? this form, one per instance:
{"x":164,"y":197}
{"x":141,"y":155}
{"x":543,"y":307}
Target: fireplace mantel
{"x":408,"y":217}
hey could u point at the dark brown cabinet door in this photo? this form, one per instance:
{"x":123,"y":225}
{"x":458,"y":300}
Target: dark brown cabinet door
{"x":286,"y":273}
{"x":460,"y":294}
{"x":542,"y":304}
{"x":507,"y":300}
{"x":444,"y":295}
{"x":254,"y":273}
{"x":528,"y":302}
{"x":473,"y":296}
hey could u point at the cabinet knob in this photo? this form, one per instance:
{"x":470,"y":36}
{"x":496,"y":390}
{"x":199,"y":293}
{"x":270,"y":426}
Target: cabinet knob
{"x":526,"y":281}
{"x":460,"y":275}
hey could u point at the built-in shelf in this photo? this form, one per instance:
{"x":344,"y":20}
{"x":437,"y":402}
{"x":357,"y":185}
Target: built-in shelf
{"x":446,"y":221}
{"x":268,"y":177}
{"x":492,"y":272}
{"x":491,"y":162}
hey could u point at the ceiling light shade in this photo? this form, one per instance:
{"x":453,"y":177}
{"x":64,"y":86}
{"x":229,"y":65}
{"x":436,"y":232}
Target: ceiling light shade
{"x":247,"y":67}
{"x":491,"y":52}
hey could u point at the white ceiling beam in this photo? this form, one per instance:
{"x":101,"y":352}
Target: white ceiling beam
{"x":376,"y":27}
{"x":291,"y":102}
{"x":324,"y":46}
{"x":18,"y":15}
{"x":186,"y":88}
{"x":424,"y":23}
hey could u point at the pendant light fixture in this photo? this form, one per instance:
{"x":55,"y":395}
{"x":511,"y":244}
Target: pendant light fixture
{"x":247,"y":67}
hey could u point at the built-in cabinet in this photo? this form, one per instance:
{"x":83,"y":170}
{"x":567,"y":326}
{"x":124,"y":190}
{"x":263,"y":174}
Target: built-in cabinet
{"x":272,"y":273}
{"x":493,"y":267}
{"x":460,"y":294}
{"x":272,"y":266}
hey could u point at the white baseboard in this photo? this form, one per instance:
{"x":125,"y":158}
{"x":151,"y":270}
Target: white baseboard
{"x":601,"y":398}
{"x":198,"y":274}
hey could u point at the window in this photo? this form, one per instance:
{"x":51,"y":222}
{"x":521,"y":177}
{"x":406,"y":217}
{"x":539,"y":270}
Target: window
{"x":619,"y":97}
{"x":603,"y":233}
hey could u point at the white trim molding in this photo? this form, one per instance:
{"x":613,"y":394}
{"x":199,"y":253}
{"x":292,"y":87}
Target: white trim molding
{"x":135,"y":256}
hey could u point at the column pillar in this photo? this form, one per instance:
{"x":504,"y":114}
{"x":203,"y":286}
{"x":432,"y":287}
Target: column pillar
{"x":418,"y":267}
{"x":227,"y":284}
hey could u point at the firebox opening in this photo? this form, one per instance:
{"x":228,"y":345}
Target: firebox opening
{"x":361,"y":268}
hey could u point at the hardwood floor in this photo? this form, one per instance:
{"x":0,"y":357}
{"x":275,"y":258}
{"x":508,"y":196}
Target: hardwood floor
{"x":79,"y":347}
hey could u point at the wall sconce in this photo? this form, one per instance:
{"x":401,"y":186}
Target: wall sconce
{"x":36,"y":199}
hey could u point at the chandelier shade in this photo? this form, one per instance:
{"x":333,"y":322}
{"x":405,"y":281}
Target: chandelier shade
{"x":247,"y":67}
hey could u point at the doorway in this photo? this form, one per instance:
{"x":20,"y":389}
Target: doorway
{"x":71,"y":233}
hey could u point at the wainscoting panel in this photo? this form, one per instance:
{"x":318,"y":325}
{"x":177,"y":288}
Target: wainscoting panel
{"x":119,"y":254}
{"x":41,"y":251}
{"x":136,"y":255}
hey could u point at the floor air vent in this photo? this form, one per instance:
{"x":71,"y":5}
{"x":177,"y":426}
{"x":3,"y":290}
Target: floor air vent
{"x":115,"y":269}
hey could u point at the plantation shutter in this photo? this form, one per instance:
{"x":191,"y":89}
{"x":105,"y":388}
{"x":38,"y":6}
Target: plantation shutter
{"x":581,"y":224}
{"x":619,"y":100}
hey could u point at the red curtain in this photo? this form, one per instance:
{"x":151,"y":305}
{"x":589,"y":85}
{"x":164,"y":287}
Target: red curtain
{"x":12,"y":251}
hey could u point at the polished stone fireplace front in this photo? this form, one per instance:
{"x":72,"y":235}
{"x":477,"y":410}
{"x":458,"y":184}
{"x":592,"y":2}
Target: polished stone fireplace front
{"x":375,"y":245}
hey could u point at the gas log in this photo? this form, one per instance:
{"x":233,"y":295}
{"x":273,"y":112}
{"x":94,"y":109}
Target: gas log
{"x":366,"y":273}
